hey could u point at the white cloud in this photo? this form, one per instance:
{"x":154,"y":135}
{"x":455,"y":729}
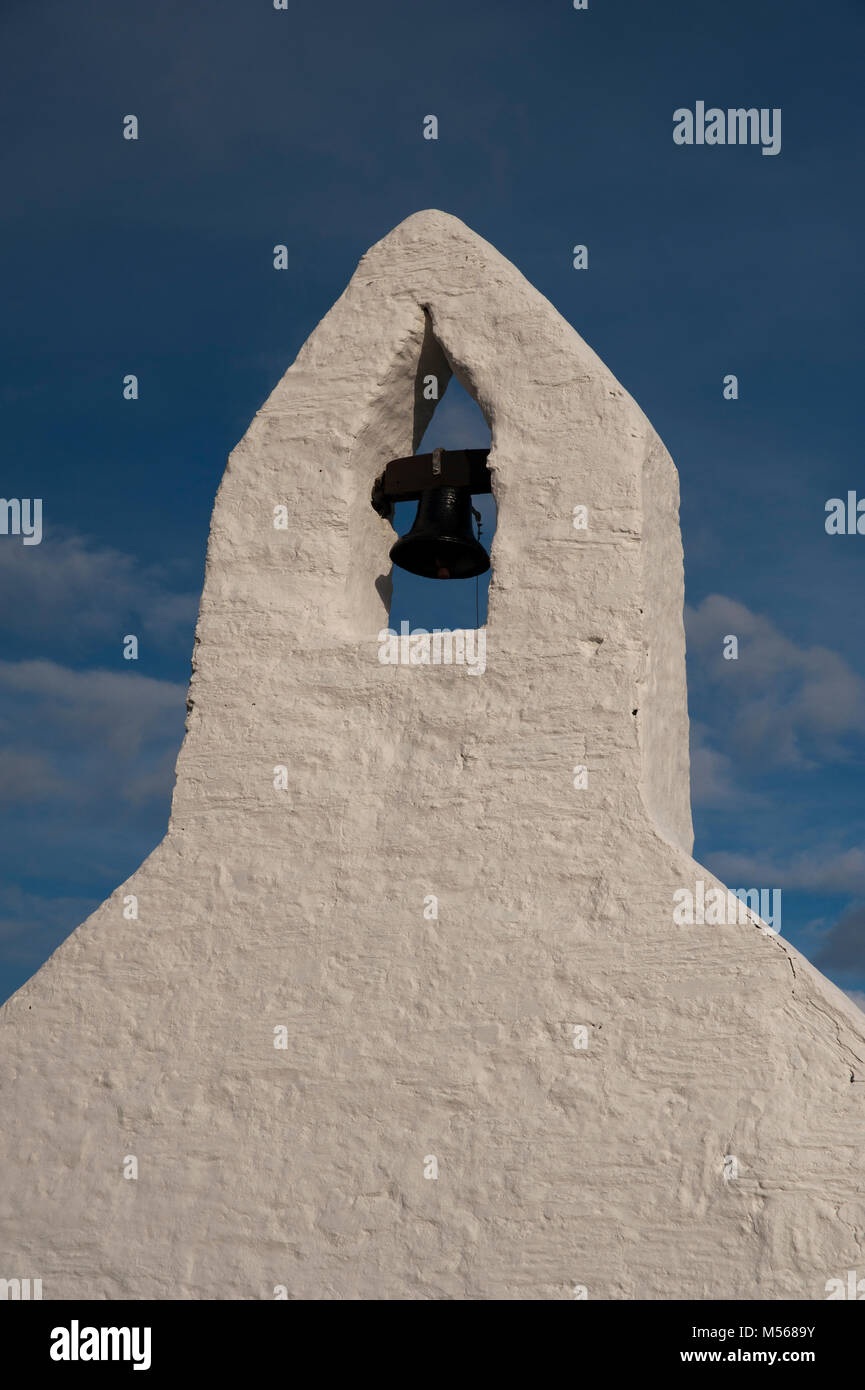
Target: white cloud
{"x":782,"y":704}
{"x":835,"y":871}
{"x":68,"y":591}
{"x":713,"y":776}
{"x":77,"y":736}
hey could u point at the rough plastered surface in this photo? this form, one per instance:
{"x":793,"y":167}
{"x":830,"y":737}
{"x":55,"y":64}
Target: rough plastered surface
{"x":303,"y":1167}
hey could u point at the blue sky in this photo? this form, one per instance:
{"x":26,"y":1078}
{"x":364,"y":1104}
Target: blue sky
{"x":304,"y":127}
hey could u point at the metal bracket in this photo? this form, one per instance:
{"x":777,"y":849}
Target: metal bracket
{"x":404,"y":479}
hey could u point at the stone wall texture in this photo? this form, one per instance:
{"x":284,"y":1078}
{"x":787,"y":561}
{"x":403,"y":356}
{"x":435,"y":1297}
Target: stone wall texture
{"x":303,"y":908}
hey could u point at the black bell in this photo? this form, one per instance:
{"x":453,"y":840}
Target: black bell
{"x":441,"y":544}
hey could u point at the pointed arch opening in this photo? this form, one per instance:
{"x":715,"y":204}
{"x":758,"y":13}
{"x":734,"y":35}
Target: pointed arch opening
{"x":456,"y":423}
